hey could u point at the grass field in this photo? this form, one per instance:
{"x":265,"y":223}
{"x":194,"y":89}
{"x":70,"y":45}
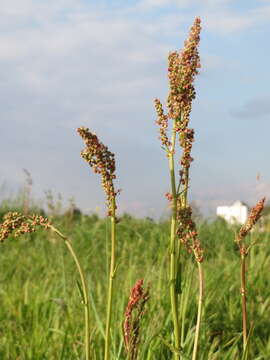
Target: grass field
{"x":41,"y":316}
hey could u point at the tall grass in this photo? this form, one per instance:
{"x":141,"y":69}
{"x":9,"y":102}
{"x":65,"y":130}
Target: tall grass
{"x":40,"y":301}
{"x":16,"y":224}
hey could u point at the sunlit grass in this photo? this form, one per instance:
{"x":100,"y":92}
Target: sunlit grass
{"x":41,"y":315}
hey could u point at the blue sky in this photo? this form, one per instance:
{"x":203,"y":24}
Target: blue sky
{"x":100,"y":64}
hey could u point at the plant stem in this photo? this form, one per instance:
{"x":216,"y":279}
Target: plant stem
{"x":244,"y":298}
{"x":199,"y":315}
{"x":111,"y":278}
{"x":185,"y":190}
{"x":173,"y":293}
{"x":84,"y":291}
{"x":184,"y":301}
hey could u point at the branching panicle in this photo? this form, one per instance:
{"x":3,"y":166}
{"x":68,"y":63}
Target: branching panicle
{"x":187,"y":233}
{"x":253,"y":217}
{"x":182,"y":69}
{"x":186,"y":140}
{"x":101,"y":160}
{"x":133,"y":315}
{"x":162,"y":121}
{"x":18,"y":224}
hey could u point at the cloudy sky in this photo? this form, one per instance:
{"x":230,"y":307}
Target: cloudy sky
{"x":100,"y":64}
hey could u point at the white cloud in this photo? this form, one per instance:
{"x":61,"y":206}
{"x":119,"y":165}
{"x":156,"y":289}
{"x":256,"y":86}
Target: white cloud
{"x":150,"y":4}
{"x":218,"y":15}
{"x":227,"y":21}
{"x":86,"y":68}
{"x":66,"y":63}
{"x":85,"y":48}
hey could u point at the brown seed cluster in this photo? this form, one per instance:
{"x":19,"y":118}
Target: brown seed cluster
{"x":101,"y":161}
{"x":133,"y":315}
{"x":182,"y":68}
{"x":162,"y":121}
{"x":187,"y":233}
{"x":186,"y":139}
{"x":18,"y":224}
{"x":253,"y":217}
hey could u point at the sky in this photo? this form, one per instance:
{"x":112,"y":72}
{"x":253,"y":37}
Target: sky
{"x":100,"y":64}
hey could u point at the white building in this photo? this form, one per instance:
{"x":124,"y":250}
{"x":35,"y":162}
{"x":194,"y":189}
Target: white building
{"x":237,"y":213}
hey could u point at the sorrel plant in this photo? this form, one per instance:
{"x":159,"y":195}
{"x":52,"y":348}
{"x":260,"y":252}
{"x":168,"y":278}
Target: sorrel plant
{"x":244,"y":249}
{"x":182,"y":68}
{"x":102,"y":161}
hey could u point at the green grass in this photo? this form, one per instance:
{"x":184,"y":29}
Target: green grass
{"x":41,"y":316}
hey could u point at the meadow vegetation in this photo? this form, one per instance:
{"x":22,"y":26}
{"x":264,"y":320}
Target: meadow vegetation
{"x":41,"y":312}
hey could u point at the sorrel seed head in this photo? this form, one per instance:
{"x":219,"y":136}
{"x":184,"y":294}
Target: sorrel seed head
{"x":253,"y":217}
{"x":101,"y":160}
{"x":18,"y":224}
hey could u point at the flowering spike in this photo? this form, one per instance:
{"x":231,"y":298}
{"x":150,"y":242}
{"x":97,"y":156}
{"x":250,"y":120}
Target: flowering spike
{"x":253,"y":217}
{"x":162,"y":121}
{"x":101,"y":161}
{"x":133,"y":315}
{"x":18,"y":224}
{"x":187,"y":233}
{"x":182,"y":69}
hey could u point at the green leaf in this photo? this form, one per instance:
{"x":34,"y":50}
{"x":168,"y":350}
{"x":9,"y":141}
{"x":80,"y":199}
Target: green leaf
{"x":80,"y":291}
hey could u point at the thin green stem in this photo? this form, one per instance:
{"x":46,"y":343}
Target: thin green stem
{"x":185,"y":190}
{"x":199,"y":314}
{"x":184,"y":301}
{"x":173,"y":294}
{"x":111,"y":278}
{"x":84,"y":291}
{"x":244,"y":299}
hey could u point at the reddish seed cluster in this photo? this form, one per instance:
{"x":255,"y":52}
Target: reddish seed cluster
{"x":18,"y":224}
{"x":182,"y":69}
{"x":186,"y":140}
{"x":162,"y":121}
{"x":253,"y":217}
{"x":187,"y":233}
{"x":101,"y":160}
{"x":133,"y":314}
